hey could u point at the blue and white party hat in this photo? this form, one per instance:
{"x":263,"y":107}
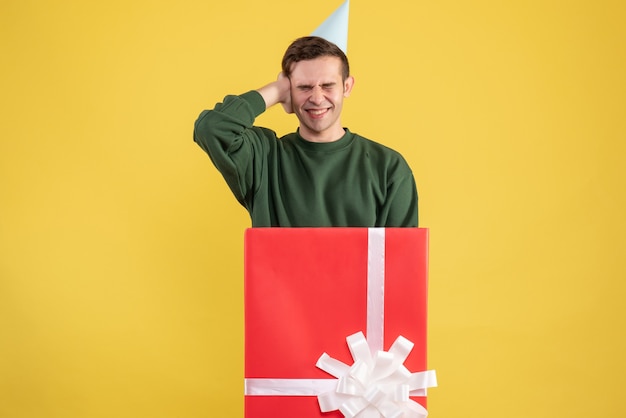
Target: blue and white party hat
{"x":335,"y":27}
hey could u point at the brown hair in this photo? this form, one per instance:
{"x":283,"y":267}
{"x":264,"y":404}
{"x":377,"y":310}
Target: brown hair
{"x":311,"y":47}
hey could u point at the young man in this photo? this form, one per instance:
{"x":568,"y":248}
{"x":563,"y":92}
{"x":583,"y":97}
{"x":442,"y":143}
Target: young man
{"x":320,"y":176}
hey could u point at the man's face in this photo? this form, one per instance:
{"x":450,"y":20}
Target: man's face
{"x":317,"y":92}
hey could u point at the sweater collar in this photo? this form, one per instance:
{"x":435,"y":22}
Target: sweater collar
{"x":341,"y":143}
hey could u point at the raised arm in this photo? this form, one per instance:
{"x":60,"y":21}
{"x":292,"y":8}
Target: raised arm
{"x":277,"y":92}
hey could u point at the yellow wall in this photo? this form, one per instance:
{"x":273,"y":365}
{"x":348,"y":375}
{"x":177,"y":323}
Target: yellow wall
{"x":121,"y":248}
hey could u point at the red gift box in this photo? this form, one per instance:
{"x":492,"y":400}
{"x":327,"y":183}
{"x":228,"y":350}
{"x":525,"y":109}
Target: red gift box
{"x":307,"y":289}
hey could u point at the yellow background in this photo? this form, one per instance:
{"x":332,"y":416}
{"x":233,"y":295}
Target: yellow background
{"x":121,"y":247}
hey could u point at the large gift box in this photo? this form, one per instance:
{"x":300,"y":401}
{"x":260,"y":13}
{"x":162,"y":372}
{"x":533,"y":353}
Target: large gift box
{"x":335,"y":322}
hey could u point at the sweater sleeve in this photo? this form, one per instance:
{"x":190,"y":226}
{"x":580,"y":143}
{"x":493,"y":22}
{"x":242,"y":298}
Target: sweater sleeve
{"x":227,"y":135}
{"x":400,"y":208}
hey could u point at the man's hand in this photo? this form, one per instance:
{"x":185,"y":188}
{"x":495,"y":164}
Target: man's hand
{"x":286,"y":97}
{"x":278,"y":91}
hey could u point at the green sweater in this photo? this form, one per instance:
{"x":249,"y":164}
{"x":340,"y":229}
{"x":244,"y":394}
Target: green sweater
{"x":291,"y":182}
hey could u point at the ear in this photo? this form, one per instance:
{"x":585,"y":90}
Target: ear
{"x":347,"y":86}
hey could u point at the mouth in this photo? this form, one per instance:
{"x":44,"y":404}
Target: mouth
{"x":317,"y":113}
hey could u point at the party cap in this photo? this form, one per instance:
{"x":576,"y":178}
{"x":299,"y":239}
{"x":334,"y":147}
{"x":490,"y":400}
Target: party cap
{"x":335,"y":27}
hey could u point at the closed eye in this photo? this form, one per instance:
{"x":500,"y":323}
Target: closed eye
{"x":325,"y":86}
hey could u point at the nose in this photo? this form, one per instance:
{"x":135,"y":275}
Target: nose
{"x":317,"y":95}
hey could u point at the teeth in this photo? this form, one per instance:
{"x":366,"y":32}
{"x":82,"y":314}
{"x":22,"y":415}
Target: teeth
{"x":317,"y":112}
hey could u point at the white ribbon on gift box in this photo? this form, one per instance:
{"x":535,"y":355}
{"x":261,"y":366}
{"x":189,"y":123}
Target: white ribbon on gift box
{"x":377,"y":384}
